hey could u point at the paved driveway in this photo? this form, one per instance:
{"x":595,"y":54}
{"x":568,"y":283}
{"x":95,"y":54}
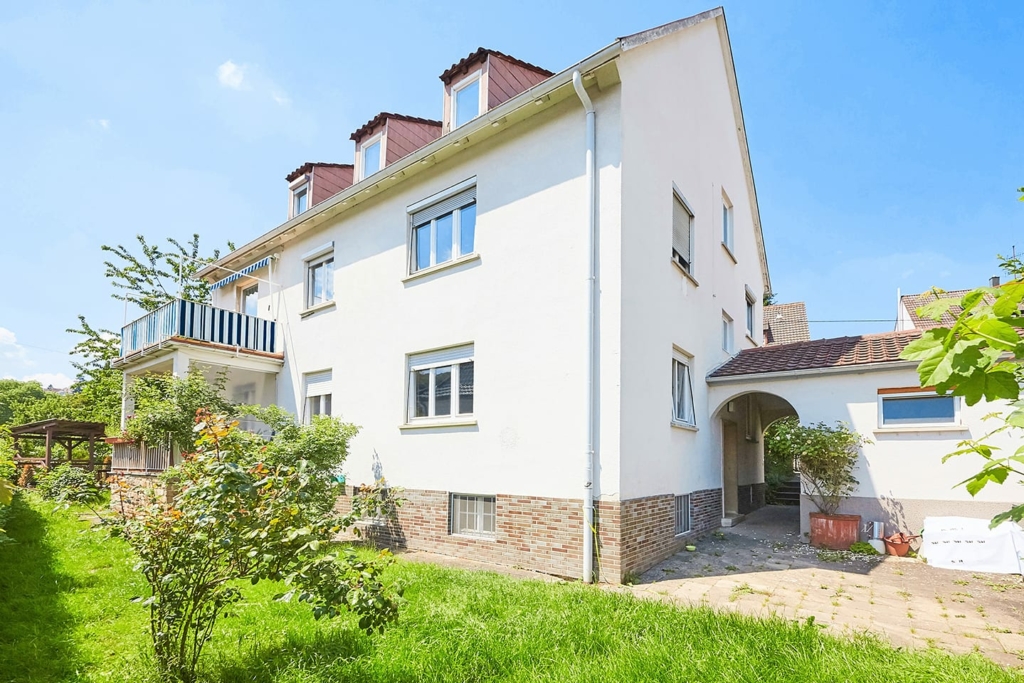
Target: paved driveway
{"x":761,"y":567}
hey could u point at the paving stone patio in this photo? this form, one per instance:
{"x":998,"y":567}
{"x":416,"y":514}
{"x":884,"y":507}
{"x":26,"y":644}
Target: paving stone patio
{"x":763,"y":567}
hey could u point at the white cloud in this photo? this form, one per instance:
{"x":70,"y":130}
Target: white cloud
{"x":104,"y":124}
{"x":283,"y":100}
{"x":57,"y":380}
{"x":231,"y":75}
{"x":9,"y":346}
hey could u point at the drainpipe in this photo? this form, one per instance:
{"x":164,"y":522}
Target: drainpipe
{"x":588,"y":465}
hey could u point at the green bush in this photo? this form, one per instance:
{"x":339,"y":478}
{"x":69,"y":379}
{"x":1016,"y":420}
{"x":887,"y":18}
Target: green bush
{"x":862,"y":548}
{"x":67,"y":484}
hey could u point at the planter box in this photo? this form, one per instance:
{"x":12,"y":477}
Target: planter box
{"x":835,"y":532}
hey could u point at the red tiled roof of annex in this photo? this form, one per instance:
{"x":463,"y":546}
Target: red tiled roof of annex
{"x":820,"y":353}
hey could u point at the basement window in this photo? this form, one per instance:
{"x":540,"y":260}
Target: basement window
{"x":684,"y":523}
{"x":473,"y":515}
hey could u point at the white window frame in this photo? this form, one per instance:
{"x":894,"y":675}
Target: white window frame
{"x":679,"y":358}
{"x":312,"y":260}
{"x":241,"y":298}
{"x":482,"y":501}
{"x":453,"y":357}
{"x":317,"y":399}
{"x":677,"y":196}
{"x":683,"y":518}
{"x":927,"y":424}
{"x":456,"y":213}
{"x":476,"y":76}
{"x":304,"y":188}
{"x":750,"y":312}
{"x":728,"y":333}
{"x":363,"y":146}
{"x":728,"y":224}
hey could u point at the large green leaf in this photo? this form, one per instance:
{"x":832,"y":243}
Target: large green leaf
{"x":999,"y":333}
{"x":930,"y":342}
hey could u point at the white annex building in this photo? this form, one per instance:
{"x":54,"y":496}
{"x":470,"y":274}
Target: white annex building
{"x":521,"y":305}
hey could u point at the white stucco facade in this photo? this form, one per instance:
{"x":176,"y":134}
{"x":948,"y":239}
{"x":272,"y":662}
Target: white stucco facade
{"x":521,"y":301}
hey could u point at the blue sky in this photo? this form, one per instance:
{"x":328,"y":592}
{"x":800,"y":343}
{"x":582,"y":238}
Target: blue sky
{"x":886,"y":138}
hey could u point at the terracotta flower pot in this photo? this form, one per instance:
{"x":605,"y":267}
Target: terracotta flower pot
{"x":835,"y":532}
{"x":898,"y":544}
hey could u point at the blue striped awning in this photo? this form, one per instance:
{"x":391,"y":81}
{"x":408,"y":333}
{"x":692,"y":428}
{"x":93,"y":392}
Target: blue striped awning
{"x":262,"y":263}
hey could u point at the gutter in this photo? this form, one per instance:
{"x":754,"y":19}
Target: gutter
{"x":592,"y":331}
{"x":461,"y":136}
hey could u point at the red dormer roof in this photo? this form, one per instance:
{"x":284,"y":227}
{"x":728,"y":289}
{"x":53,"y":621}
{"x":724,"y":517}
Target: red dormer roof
{"x":308,"y":167}
{"x":384,"y":116}
{"x":464,"y":65}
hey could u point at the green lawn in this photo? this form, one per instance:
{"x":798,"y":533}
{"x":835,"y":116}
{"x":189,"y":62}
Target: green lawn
{"x":65,"y":616}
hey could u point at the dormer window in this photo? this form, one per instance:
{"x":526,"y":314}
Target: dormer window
{"x":300,"y":199}
{"x":466,"y":100}
{"x":369,"y":156}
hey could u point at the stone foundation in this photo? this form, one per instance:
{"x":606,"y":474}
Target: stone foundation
{"x":544,"y":534}
{"x":136,"y":489}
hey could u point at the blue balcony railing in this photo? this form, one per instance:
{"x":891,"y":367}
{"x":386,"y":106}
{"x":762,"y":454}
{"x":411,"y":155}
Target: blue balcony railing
{"x":182,"y":319}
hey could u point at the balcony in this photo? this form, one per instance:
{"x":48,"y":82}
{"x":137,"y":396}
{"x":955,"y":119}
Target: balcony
{"x":189,"y":322}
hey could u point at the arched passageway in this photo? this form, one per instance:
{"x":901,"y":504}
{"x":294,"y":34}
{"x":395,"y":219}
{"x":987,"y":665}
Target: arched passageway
{"x":742,"y":421}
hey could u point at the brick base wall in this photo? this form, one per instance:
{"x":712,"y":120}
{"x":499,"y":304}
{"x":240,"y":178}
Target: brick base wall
{"x":544,"y":534}
{"x":137,"y":489}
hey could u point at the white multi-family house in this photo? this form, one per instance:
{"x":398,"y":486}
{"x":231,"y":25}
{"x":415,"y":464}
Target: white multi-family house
{"x":518,"y":304}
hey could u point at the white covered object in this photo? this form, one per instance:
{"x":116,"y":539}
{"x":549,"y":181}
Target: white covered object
{"x":969,"y":544}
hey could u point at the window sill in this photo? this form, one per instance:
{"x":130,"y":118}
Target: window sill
{"x":684,"y":426}
{"x":685,"y":274}
{"x":436,"y":424}
{"x":316,"y":309}
{"x":752,"y":340}
{"x":441,"y":266}
{"x":490,"y":538}
{"x":920,"y":428}
{"x":729,"y":252}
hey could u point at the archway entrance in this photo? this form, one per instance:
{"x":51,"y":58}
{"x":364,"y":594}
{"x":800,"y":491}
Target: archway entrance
{"x":742,"y":421}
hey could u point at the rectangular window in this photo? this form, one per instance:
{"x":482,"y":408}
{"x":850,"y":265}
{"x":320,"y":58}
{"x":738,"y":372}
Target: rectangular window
{"x":682,"y":393}
{"x":320,"y":280}
{"x":922,"y":409}
{"x":249,"y":301}
{"x":371,"y":157}
{"x":318,"y":388}
{"x":443,"y":231}
{"x":466,"y":101}
{"x":751,"y":303}
{"x":727,"y":223}
{"x":441,"y":383}
{"x":683,"y":523}
{"x":300,"y":200}
{"x":682,"y":233}
{"x":727,"y":333}
{"x":472,"y":515}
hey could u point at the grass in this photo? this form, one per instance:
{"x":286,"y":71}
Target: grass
{"x":66,"y":617}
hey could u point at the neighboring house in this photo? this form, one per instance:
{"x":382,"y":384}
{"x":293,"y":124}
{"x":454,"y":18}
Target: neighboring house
{"x":862,"y":381}
{"x":518,"y":304}
{"x":785,"y":324}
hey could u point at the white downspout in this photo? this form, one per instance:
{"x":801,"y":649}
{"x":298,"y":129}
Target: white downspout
{"x":588,"y":465}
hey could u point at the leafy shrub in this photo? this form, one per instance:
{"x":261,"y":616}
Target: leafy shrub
{"x":827,"y":457}
{"x":862,"y":548}
{"x":251,"y":509}
{"x":68,"y":484}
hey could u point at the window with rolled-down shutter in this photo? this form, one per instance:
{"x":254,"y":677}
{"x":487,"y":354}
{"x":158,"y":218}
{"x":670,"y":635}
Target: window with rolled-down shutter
{"x":682,"y":234}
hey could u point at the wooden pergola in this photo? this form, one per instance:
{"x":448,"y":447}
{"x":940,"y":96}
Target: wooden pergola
{"x":61,"y":433}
